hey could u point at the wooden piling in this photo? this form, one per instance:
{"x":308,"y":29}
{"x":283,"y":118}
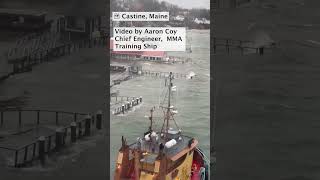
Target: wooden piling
{"x":2,"y":118}
{"x":57,"y":118}
{"x":25,"y":155}
{"x":16,"y":159}
{"x":38,"y":117}
{"x":75,"y":117}
{"x":73,"y":132}
{"x":99,"y":120}
{"x":59,"y":136}
{"x":79,"y":129}
{"x":41,"y":147}
{"x":87,"y":125}
{"x":261,"y":51}
{"x":49,"y":144}
{"x":20,"y":118}
{"x":34,"y":150}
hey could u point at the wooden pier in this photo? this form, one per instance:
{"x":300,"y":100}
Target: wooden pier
{"x":160,"y":74}
{"x":229,"y":46}
{"x":126,"y":105}
{"x":25,"y":62}
{"x":25,"y":145}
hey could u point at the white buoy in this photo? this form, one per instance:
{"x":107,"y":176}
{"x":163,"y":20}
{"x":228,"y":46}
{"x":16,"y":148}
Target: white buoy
{"x":171,"y":143}
{"x":146,"y":137}
{"x":174,"y":88}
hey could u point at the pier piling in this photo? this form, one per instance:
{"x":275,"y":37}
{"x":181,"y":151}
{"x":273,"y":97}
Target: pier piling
{"x":59,"y":137}
{"x":99,"y":120}
{"x":87,"y":125}
{"x":41,"y":147}
{"x":79,"y":130}
{"x":73,"y":132}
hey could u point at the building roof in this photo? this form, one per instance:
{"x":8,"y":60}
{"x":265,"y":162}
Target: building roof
{"x":153,"y":54}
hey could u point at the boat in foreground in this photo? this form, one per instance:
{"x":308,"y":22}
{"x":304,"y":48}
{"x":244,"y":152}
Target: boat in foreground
{"x":167,"y":154}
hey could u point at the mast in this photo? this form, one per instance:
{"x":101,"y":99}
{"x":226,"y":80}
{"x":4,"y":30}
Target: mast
{"x":151,"y":119}
{"x":168,"y":115}
{"x":167,"y":118}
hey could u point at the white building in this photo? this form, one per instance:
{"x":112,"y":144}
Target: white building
{"x":202,"y":21}
{"x":179,"y":18}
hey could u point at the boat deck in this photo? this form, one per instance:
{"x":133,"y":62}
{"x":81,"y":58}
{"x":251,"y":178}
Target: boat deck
{"x":154,"y":148}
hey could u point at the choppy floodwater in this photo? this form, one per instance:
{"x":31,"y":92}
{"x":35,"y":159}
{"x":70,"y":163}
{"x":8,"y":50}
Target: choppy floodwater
{"x":192,"y":99}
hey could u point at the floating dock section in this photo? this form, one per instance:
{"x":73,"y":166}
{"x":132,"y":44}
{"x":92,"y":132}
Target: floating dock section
{"x":127,"y":105}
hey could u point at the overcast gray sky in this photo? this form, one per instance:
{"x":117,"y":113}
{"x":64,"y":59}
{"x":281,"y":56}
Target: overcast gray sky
{"x":190,"y":3}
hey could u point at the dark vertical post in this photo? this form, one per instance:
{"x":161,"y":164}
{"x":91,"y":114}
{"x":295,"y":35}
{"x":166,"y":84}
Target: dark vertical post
{"x":87,"y":125}
{"x":34,"y":150}
{"x":65,"y":133}
{"x":47,"y":56}
{"x":20,"y":118}
{"x":79,"y":129}
{"x":99,"y":120}
{"x":228,"y":46}
{"x":57,"y":118}
{"x":41,"y":147}
{"x":73,"y":132}
{"x":49,"y":144}
{"x":122,"y":108}
{"x":92,"y":118}
{"x":140,"y":99}
{"x":38,"y":117}
{"x":1,"y":118}
{"x":25,"y":154}
{"x":75,"y":117}
{"x":261,"y":51}
{"x":214,"y":45}
{"x":16,"y":159}
{"x":59,"y":134}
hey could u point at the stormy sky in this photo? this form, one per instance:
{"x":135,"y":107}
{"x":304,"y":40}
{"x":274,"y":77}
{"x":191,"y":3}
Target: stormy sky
{"x":189,"y":4}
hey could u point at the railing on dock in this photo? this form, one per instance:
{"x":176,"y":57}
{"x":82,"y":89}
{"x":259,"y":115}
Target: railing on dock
{"x":127,"y":103}
{"x":25,"y":62}
{"x":79,"y":125}
{"x":230,"y":45}
{"x":159,"y":74}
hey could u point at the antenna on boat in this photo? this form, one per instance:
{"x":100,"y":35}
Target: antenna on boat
{"x":151,"y":120}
